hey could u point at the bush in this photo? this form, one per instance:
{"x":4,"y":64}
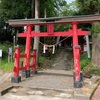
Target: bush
{"x":41,"y":60}
{"x":84,"y":60}
{"x":95,"y":29}
{"x":4,"y":65}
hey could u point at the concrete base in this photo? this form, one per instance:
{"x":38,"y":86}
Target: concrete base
{"x":26,"y":73}
{"x":16,"y":79}
{"x":81,"y":76}
{"x":33,"y":72}
{"x":78,"y":84}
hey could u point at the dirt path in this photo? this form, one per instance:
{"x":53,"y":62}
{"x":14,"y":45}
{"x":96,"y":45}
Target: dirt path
{"x":63,"y":60}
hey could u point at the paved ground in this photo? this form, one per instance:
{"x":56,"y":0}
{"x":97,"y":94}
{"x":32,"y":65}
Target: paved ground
{"x":50,"y":85}
{"x":55,"y":79}
{"x":31,"y":97}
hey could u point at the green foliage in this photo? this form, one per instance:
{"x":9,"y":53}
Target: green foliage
{"x":4,"y":61}
{"x":91,"y":70}
{"x":41,"y":60}
{"x":4,"y":47}
{"x":5,"y":66}
{"x":95,"y":71}
{"x":87,"y":7}
{"x":53,"y":7}
{"x":95,"y":29}
{"x":84,"y":60}
{"x":20,"y":9}
{"x":67,"y":10}
{"x":87,"y":67}
{"x":14,"y":9}
{"x":17,"y":9}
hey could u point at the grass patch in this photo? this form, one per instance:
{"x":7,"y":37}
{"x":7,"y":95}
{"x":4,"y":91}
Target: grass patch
{"x":95,"y":71}
{"x":41,"y":60}
{"x":87,"y":67}
{"x":84,"y":60}
{"x":4,"y":65}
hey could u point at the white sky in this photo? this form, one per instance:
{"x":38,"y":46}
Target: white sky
{"x":69,"y":1}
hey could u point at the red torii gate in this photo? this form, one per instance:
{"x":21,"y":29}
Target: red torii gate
{"x":49,"y":22}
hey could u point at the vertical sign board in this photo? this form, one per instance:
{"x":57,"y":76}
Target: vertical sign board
{"x":85,"y":48}
{"x":0,"y":53}
{"x":10,"y":51}
{"x":88,"y":46}
{"x":9,"y":55}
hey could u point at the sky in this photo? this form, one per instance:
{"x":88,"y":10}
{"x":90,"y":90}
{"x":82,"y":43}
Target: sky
{"x":69,"y":1}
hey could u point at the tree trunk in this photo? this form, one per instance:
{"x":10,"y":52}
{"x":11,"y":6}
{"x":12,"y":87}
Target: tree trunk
{"x":96,"y":51}
{"x":58,"y":39}
{"x":37,"y":29}
{"x":33,"y":9}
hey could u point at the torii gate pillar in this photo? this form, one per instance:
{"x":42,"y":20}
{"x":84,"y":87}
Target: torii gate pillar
{"x":76,"y":54}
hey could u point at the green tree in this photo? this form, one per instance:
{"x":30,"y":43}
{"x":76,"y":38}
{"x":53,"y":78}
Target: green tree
{"x":53,"y":7}
{"x":87,"y":7}
{"x":12,"y":9}
{"x":20,"y":9}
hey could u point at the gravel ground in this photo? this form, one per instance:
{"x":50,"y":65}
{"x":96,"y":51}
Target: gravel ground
{"x":56,"y":79}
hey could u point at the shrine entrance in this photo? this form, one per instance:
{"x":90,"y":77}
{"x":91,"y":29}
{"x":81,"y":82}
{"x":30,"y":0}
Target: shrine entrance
{"x":49,"y":23}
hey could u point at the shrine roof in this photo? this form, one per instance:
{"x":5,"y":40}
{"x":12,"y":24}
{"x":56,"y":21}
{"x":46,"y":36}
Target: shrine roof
{"x":55,"y":20}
